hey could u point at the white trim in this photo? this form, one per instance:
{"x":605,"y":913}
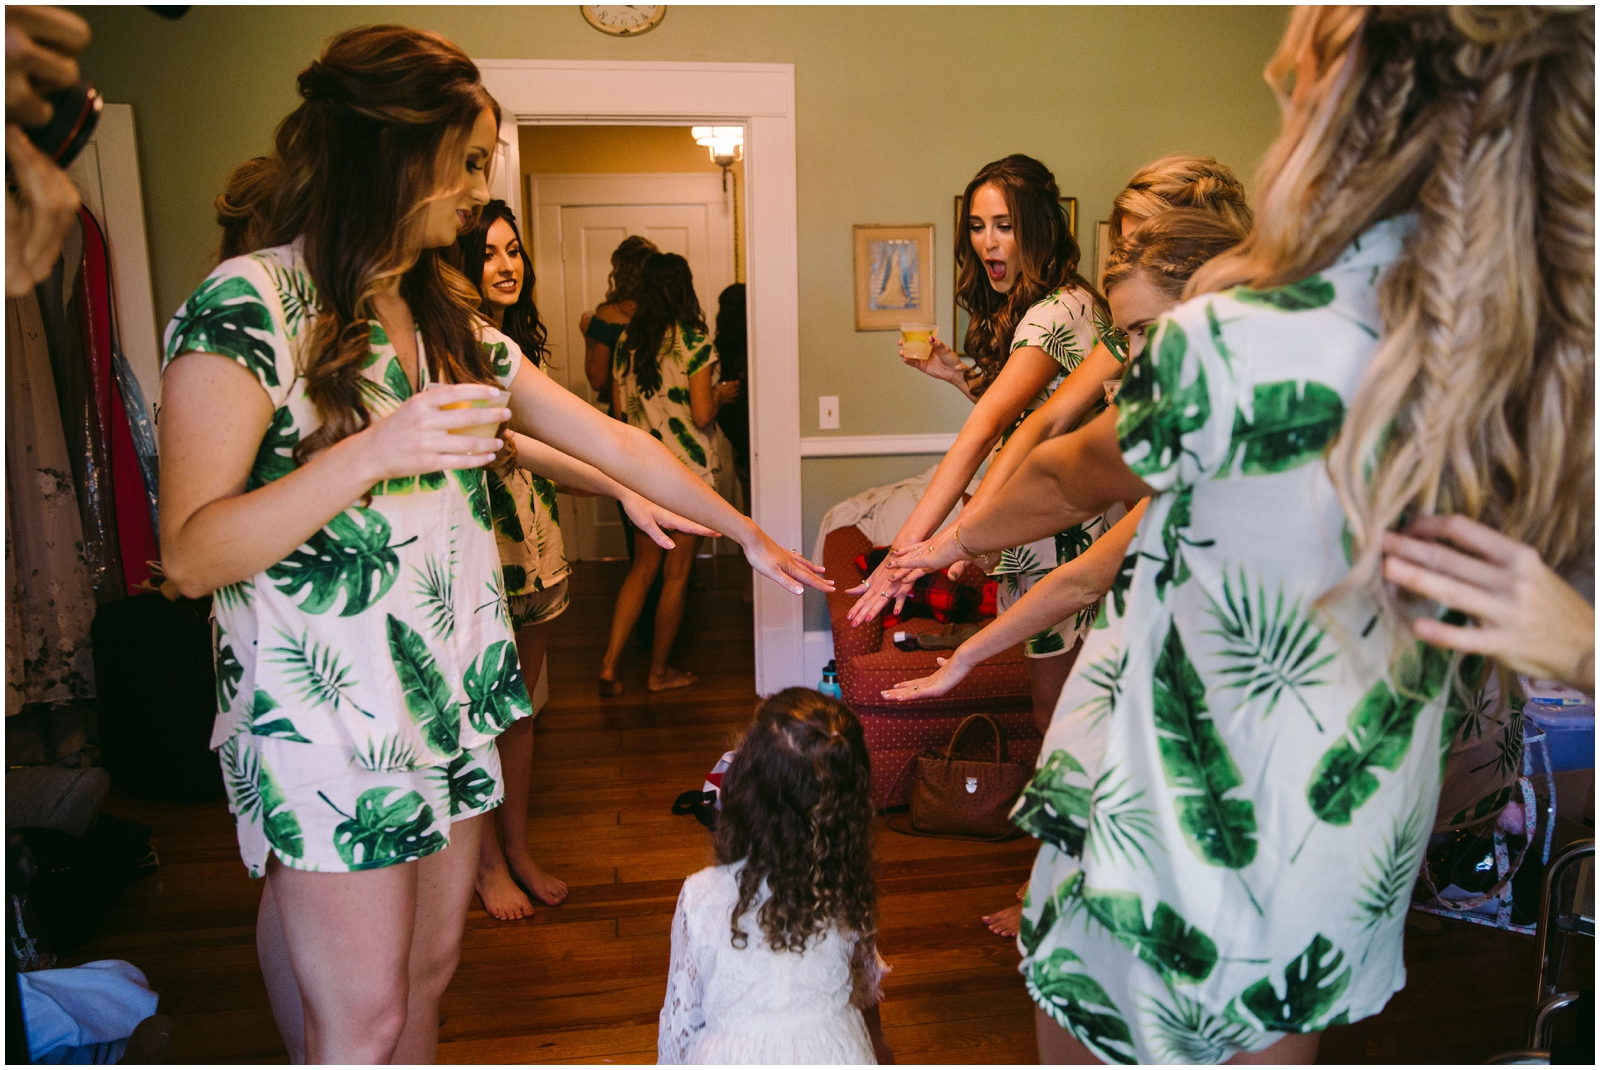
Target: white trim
{"x":574,"y":190}
{"x":759,"y":96}
{"x":106,"y":173}
{"x":874,"y":445}
{"x":818,"y":648}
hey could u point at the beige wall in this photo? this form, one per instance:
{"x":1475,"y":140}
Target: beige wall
{"x":896,"y":108}
{"x":627,"y":150}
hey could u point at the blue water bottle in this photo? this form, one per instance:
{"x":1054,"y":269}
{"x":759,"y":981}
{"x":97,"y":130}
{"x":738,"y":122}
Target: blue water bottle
{"x":830,"y":681}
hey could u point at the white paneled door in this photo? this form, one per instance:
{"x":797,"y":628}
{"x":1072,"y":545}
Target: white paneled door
{"x":573,"y":243}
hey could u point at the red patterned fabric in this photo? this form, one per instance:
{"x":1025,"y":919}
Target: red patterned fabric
{"x":936,"y":595}
{"x":896,"y":732}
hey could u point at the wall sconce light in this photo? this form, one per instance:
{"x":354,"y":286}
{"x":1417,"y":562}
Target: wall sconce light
{"x":726,"y":144}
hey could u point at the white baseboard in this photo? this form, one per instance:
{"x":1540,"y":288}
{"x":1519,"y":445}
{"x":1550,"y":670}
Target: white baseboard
{"x":874,"y":445}
{"x":817,"y":651}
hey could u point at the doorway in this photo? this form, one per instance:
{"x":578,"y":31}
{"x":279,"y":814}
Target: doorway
{"x":586,"y":189}
{"x":760,"y":98}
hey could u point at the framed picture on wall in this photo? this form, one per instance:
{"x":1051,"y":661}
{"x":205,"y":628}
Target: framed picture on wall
{"x":894,"y":275}
{"x":1068,"y":205}
{"x":1102,"y":253}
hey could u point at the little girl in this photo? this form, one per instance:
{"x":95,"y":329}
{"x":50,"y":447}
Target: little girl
{"x":774,"y":957}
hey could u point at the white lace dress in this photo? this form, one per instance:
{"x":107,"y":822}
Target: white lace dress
{"x":756,"y":1005}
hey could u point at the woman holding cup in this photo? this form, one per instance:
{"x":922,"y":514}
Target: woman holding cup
{"x":1034,"y":319}
{"x":365,"y":662}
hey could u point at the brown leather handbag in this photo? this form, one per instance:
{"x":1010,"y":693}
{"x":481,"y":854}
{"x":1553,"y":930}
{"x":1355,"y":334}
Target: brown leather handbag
{"x":965,"y":798}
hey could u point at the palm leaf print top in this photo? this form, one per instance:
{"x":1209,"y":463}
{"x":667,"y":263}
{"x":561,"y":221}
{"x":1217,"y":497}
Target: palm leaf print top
{"x":666,"y":414}
{"x":1066,"y":326}
{"x":1235,"y":789}
{"x":386,"y":631}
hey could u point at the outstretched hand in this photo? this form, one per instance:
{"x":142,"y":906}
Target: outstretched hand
{"x":655,"y":521}
{"x":787,"y":568}
{"x":885,"y":585}
{"x":952,"y":671}
{"x":938,"y":552}
{"x":1526,"y":617}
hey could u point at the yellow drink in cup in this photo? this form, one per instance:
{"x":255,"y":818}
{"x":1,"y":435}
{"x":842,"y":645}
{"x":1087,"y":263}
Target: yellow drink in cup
{"x":916,"y":340}
{"x":491,"y":430}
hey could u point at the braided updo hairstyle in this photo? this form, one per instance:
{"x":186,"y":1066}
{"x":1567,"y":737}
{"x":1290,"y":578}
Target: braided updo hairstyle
{"x":1480,"y":397}
{"x":796,"y":808}
{"x":1180,"y":180}
{"x":1169,"y":247}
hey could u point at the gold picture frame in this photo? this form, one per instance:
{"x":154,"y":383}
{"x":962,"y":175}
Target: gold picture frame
{"x":1069,"y":204}
{"x":894,"y":278}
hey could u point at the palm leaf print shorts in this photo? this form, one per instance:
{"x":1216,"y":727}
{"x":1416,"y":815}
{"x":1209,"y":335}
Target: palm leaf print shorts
{"x":329,"y":809}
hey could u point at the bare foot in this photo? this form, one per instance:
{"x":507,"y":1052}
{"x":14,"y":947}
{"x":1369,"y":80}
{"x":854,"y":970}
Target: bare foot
{"x":1022,"y":893}
{"x":671,"y":679}
{"x":1005,"y":922}
{"x":610,"y":688}
{"x":547,"y":889}
{"x":501,"y":896}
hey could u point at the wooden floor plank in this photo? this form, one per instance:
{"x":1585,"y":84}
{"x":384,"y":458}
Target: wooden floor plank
{"x":584,"y":982}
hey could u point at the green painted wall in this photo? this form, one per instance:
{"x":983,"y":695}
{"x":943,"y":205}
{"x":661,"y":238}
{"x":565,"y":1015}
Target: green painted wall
{"x":896,"y":108}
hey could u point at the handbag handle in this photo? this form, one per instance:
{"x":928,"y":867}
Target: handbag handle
{"x":999,"y":738}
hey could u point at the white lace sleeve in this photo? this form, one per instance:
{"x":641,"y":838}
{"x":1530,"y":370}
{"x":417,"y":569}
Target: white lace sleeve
{"x":867,"y":971}
{"x":681,"y":1015}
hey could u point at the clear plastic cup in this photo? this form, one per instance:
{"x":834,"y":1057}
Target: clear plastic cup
{"x":916,"y":340}
{"x":1111,"y":387}
{"x":500,"y":399}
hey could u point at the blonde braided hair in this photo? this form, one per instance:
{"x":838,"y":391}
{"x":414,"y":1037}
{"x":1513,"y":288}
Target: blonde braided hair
{"x":1479,"y":399}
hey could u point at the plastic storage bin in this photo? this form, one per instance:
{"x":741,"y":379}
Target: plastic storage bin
{"x":1566,"y":717}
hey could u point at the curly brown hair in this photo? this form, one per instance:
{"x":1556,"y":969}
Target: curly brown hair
{"x":796,"y":808}
{"x":1169,"y":247}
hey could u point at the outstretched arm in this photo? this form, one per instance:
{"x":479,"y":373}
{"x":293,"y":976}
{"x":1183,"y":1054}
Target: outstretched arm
{"x":548,"y":412}
{"x":1064,"y":482}
{"x":1068,"y":588}
{"x":1075,"y":397}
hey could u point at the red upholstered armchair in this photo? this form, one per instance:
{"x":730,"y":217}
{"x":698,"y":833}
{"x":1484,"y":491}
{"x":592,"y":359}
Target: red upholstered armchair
{"x":868,"y":664}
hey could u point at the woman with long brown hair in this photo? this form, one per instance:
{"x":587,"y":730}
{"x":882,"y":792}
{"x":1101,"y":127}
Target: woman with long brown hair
{"x":604,"y":326}
{"x":1034,"y":319}
{"x":311,"y":480}
{"x":665,"y":385}
{"x":1407,"y":332}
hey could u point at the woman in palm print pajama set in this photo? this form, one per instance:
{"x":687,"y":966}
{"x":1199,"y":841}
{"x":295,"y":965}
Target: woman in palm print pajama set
{"x":365,"y":662}
{"x":1238,"y":787}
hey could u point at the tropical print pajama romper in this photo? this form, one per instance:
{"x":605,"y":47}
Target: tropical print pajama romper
{"x":1236,"y":789}
{"x":666,"y":413}
{"x":362,"y":680}
{"x":1066,"y":325}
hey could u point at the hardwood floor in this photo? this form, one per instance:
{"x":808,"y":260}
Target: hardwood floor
{"x":584,"y":982}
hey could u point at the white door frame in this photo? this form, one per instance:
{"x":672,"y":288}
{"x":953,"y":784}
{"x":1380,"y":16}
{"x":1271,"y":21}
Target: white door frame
{"x":760,"y":97}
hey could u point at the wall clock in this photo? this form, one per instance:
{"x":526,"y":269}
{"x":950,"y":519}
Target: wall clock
{"x":624,"y":20}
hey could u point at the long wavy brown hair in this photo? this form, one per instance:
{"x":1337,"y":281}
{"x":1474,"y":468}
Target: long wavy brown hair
{"x":627,"y":264}
{"x":384,"y":112}
{"x":1181,"y":180}
{"x":796,"y":807}
{"x":1170,"y":246}
{"x":520,"y":322}
{"x":1480,"y":397}
{"x":1048,"y":252}
{"x":666,"y":304}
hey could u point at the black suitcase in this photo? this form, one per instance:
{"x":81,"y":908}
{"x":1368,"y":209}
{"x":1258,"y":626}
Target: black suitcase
{"x":157,"y":697}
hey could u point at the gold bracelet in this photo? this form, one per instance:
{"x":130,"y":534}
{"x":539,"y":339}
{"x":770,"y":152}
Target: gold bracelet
{"x":956,"y":536}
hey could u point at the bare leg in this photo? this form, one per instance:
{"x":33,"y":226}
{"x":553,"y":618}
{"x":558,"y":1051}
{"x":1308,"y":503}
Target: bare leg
{"x":349,"y":943}
{"x":1294,"y":1048}
{"x":516,"y":763}
{"x":647,"y":558}
{"x":669,"y":614}
{"x":501,"y":897}
{"x":443,"y":893}
{"x":1056,"y":1045}
{"x":282,"y":992}
{"x":1046,"y":677}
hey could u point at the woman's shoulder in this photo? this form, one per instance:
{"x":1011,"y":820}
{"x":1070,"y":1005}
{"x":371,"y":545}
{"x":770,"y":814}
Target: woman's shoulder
{"x":251,"y":308}
{"x":716,"y":885}
{"x":504,"y":353}
{"x":613,"y":313}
